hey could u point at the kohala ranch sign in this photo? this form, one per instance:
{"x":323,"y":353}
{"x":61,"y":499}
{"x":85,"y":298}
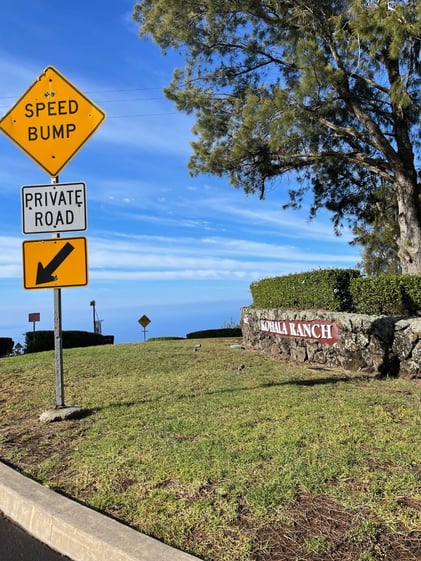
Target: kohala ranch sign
{"x":323,"y":331}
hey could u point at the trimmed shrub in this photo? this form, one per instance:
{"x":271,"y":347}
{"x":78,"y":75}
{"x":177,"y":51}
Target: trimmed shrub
{"x":341,"y":290}
{"x":38,"y":341}
{"x":168,"y":338}
{"x":214,"y":333}
{"x":325,"y":289}
{"x":393,"y":295}
{"x":6,"y":346}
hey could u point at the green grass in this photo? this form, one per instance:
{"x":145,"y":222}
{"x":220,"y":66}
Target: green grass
{"x":183,"y":446}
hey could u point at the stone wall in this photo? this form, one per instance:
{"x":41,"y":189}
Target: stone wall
{"x":378,"y":345}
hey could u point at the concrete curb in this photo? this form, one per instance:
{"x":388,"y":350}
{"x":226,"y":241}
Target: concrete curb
{"x":73,"y":529}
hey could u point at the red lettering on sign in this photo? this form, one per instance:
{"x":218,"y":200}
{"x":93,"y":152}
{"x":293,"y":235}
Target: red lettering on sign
{"x":324,"y":331}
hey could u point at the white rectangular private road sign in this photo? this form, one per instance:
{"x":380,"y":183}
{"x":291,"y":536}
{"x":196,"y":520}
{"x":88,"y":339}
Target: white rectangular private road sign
{"x":56,"y":207}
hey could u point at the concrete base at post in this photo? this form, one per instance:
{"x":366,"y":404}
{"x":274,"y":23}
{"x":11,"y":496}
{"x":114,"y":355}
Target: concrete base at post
{"x":61,"y":414}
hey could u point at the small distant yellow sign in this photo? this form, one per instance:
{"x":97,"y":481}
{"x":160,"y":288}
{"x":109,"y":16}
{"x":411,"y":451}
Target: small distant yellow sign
{"x":51,"y":121}
{"x":144,"y":321}
{"x":55,"y":263}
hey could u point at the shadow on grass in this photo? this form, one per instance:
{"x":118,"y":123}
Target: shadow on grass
{"x":323,"y":381}
{"x":270,"y":384}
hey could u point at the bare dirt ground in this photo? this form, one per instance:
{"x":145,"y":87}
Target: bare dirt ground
{"x":322,"y":530}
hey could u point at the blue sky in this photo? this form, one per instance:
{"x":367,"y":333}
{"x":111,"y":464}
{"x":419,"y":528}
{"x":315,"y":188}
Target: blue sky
{"x":181,"y":250}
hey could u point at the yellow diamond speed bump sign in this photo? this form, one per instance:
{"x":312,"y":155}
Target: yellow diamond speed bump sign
{"x":55,"y":263}
{"x":51,"y":121}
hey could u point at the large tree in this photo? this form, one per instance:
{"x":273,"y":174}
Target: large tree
{"x":325,"y":91}
{"x":378,"y":235}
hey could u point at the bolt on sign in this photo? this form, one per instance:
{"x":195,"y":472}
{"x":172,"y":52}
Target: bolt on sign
{"x":55,"y":263}
{"x":51,"y":121}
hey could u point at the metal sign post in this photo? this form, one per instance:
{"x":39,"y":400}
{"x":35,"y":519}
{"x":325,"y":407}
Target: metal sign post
{"x":58,"y":348}
{"x":58,"y":337}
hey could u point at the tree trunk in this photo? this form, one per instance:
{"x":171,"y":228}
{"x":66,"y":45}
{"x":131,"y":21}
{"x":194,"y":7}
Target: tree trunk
{"x":409,"y":221}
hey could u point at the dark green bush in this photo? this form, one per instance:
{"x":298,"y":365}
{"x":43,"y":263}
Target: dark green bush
{"x":395,"y":295}
{"x":37,"y":341}
{"x":167,"y":338}
{"x":341,"y":290}
{"x":213,"y":333}
{"x":325,"y":289}
{"x":6,"y":346}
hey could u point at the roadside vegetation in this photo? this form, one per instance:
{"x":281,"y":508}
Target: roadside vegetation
{"x":224,"y":453}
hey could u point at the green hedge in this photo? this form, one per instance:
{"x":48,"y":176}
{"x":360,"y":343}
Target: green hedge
{"x":341,"y":290}
{"x":213,"y":333}
{"x":327,"y":289}
{"x":395,"y":295}
{"x":6,"y":346}
{"x":166,"y":338}
{"x":37,"y":341}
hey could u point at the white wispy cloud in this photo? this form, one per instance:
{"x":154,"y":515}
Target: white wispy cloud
{"x":147,"y":129}
{"x":17,"y":75}
{"x":290,"y":222}
{"x":164,"y":257}
{"x":141,"y":203}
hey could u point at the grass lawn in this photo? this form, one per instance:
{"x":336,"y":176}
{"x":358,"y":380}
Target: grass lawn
{"x":264,"y":462}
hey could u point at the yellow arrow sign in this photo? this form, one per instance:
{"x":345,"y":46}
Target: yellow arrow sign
{"x":52,"y":121}
{"x":55,"y":263}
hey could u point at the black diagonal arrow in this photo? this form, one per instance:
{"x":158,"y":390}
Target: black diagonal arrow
{"x":46,"y":274}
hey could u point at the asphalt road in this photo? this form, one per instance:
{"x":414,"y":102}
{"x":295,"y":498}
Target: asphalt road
{"x":17,"y":545}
